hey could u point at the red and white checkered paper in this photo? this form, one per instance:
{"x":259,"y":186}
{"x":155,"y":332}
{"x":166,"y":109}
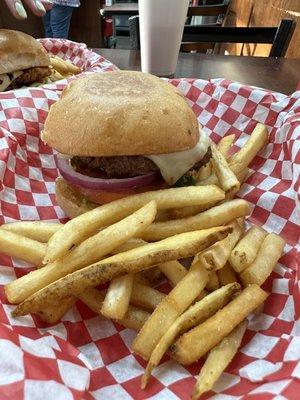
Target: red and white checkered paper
{"x":88,"y":357}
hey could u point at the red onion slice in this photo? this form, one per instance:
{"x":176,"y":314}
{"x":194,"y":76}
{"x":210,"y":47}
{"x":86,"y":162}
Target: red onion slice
{"x":88,"y":182}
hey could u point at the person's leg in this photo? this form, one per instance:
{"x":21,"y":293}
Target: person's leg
{"x":60,"y":21}
{"x":47,"y":25}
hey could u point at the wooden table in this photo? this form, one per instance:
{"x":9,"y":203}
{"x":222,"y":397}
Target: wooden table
{"x":276,"y":74}
{"x":120,"y":9}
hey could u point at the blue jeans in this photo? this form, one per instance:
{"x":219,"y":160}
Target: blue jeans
{"x":57,"y":21}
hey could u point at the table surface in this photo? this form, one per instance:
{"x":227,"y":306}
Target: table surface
{"x":276,"y":74}
{"x":120,"y":9}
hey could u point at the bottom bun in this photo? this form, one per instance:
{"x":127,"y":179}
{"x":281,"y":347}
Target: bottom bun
{"x":70,"y":200}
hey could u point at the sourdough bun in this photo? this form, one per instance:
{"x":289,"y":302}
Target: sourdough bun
{"x":19,"y":51}
{"x":120,"y":113}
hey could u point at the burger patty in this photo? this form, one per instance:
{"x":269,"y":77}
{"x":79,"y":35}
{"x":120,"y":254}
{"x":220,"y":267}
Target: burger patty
{"x":125,"y":166}
{"x":30,"y":75}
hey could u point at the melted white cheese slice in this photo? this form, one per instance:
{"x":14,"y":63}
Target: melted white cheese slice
{"x":5,"y":80}
{"x":172,"y":166}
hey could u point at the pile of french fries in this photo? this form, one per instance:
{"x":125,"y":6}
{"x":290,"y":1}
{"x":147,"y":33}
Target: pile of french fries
{"x":132,"y":242}
{"x":61,"y":69}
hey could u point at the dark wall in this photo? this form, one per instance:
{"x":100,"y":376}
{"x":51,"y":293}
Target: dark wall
{"x":85,"y":24}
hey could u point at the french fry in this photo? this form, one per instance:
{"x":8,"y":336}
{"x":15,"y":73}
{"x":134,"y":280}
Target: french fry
{"x":89,"y":251}
{"x":36,"y":230}
{"x":73,"y":231}
{"x":227,"y":275}
{"x":225,"y":144}
{"x":185,"y":212}
{"x":21,"y":247}
{"x":194,"y":344}
{"x":245,"y":252}
{"x":228,"y":181}
{"x":59,"y":65}
{"x":174,"y":271}
{"x":240,"y":160}
{"x":135,"y":260}
{"x":117,"y":297}
{"x":169,"y":309}
{"x":64,"y":67}
{"x":258,"y":139}
{"x":153,"y":275}
{"x":218,"y":359}
{"x":134,"y":318}
{"x":213,"y":282}
{"x":243,"y":175}
{"x":145,"y":296}
{"x":53,"y":313}
{"x":204,"y":172}
{"x":132,"y":243}
{"x":266,"y":259}
{"x":218,"y":215}
{"x":73,"y":69}
{"x":75,"y":202}
{"x":194,"y":315}
{"x":216,"y":256}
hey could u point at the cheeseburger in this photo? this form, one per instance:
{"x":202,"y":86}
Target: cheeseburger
{"x":23,"y":60}
{"x":120,"y":133}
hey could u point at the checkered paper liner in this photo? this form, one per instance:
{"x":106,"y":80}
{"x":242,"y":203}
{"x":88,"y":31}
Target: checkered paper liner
{"x":85,"y":356}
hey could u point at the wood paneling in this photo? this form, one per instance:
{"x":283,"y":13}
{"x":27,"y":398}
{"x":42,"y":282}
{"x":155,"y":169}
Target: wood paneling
{"x":265,"y":13}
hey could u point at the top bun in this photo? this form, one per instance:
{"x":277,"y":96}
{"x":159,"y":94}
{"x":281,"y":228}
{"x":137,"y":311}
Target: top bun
{"x":120,"y":113}
{"x":20,"y":51}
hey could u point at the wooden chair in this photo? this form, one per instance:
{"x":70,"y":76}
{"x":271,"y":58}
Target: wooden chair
{"x":195,"y":36}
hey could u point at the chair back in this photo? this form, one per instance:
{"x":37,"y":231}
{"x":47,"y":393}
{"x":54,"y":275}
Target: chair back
{"x":194,"y":36}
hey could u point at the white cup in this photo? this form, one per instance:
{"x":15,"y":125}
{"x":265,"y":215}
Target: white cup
{"x":161,"y":29}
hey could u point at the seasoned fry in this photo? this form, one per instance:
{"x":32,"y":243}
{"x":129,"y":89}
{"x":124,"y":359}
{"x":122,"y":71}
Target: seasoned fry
{"x":213,"y":282}
{"x":117,"y":298}
{"x":227,"y":275}
{"x":73,"y":231}
{"x":53,"y":313}
{"x":257,"y":140}
{"x":225,"y":144}
{"x":179,"y":246}
{"x":196,"y":314}
{"x":246,"y":250}
{"x":134,"y":318}
{"x":218,"y":215}
{"x":36,"y":230}
{"x":145,"y":296}
{"x":26,"y":249}
{"x":169,"y":309}
{"x":228,"y":181}
{"x":216,"y":256}
{"x":89,"y":251}
{"x":267,"y":257}
{"x":218,"y":359}
{"x":174,"y":271}
{"x":194,"y":344}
